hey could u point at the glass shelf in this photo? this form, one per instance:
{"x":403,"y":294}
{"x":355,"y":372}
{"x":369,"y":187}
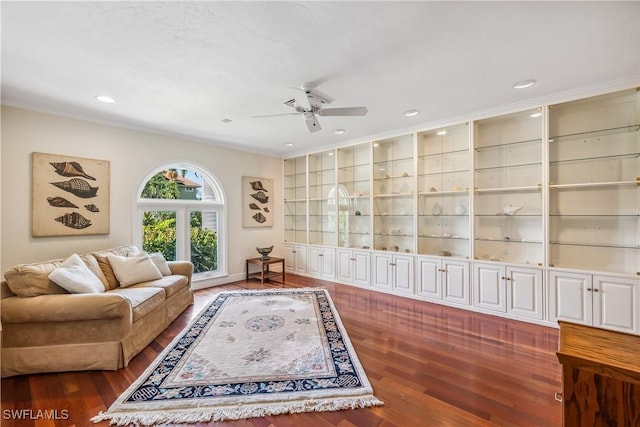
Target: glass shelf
{"x":507,"y":144}
{"x":435,"y":236}
{"x":520,"y":165}
{"x":509,"y":189}
{"x":595,"y":133}
{"x":588,"y":159}
{"x":600,"y":245}
{"x":424,"y":156}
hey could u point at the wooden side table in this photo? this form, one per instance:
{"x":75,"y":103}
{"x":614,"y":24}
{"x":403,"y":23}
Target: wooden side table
{"x":265,"y":273}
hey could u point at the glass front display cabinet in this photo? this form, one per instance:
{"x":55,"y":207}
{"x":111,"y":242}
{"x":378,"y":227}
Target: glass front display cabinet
{"x":354,"y":197}
{"x":443,"y":192}
{"x":508,"y":173}
{"x":295,"y":200}
{"x":594,"y":169}
{"x":394,"y":191}
{"x":322,"y":199}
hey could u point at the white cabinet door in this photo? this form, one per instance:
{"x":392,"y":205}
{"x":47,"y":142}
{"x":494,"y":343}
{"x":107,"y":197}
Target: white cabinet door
{"x":570,"y":297}
{"x":328,"y":263}
{"x":314,"y":261}
{"x":489,"y":289}
{"x":362,"y":268}
{"x":382,"y":271}
{"x":456,"y":289}
{"x":455,"y":280}
{"x":403,"y":274}
{"x":524,"y":292}
{"x":429,"y":273}
{"x":345,"y":265}
{"x":615,"y":303}
{"x":290,"y":258}
{"x":301,"y":259}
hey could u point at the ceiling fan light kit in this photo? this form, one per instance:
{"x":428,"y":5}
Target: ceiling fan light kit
{"x":316,"y":102}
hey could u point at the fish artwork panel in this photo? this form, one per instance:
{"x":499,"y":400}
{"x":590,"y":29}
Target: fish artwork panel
{"x":257,"y":202}
{"x":70,"y":196}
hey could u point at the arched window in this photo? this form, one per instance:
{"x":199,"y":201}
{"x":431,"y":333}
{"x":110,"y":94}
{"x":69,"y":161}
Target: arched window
{"x":182,"y":214}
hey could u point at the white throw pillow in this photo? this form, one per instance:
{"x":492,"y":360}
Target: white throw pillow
{"x":132,"y":270}
{"x":160,"y":262}
{"x":158,"y":259}
{"x":74,"y":276}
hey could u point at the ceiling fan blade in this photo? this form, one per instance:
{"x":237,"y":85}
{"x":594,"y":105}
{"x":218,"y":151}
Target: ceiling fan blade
{"x":312,"y":122}
{"x":347,"y":111}
{"x":275,"y":115}
{"x":316,"y":99}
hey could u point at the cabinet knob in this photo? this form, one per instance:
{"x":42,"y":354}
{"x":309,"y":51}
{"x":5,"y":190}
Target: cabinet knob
{"x":589,"y":289}
{"x":352,"y":259}
{"x":391,"y":263}
{"x":320,"y":254}
{"x":596,"y":290}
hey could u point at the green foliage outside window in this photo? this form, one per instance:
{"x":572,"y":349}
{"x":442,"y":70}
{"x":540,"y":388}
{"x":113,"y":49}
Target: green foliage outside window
{"x":159,"y":228}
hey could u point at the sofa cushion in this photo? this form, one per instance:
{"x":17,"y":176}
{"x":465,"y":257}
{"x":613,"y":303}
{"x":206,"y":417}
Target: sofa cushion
{"x":171,"y":284}
{"x":105,"y":267}
{"x":132,"y":270}
{"x":74,"y":276}
{"x":143,"y":300}
{"x":30,"y":280}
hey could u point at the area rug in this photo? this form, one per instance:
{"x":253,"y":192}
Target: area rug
{"x":250,"y":353}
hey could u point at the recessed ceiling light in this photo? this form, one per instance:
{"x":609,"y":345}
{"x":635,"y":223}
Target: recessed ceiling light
{"x":339,"y":131}
{"x":330,"y":153}
{"x":441,"y":132}
{"x":225,"y":120}
{"x":411,"y":113}
{"x":524,"y":84}
{"x":535,"y":115}
{"x":288,"y":144}
{"x":375,"y":144}
{"x":105,"y":98}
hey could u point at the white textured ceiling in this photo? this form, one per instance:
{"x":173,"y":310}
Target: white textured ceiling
{"x":180,"y":68}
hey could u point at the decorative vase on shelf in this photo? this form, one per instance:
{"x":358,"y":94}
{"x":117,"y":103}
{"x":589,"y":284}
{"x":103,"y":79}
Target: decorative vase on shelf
{"x":265,"y":253}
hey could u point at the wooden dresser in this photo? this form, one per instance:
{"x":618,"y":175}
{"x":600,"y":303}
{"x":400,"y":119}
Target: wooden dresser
{"x":600,"y":377}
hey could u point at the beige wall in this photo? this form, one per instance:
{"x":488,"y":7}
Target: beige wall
{"x":133,"y":155}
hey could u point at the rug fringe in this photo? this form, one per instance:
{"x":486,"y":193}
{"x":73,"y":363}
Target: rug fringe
{"x":196,"y":415}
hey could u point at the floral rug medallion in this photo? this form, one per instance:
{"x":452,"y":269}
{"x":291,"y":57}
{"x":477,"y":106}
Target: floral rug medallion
{"x":249,"y":354}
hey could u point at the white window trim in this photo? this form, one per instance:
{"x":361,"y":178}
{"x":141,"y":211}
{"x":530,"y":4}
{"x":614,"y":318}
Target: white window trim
{"x":183,"y":209}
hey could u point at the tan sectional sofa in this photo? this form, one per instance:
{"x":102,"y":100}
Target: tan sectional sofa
{"x":47,"y":329}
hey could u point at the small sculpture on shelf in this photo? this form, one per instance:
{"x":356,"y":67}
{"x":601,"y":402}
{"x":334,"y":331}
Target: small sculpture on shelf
{"x":510,"y":210}
{"x":265,"y":253}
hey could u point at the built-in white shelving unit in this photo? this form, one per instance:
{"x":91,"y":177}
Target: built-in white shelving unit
{"x":508,"y":188}
{"x":443,"y":192}
{"x":295,"y":200}
{"x":532,"y":215}
{"x":393,"y":194}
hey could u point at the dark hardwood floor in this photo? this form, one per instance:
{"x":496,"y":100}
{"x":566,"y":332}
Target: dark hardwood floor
{"x":432,"y":366}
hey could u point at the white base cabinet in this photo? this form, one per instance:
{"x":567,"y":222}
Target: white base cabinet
{"x":392,"y":272}
{"x":594,"y":300}
{"x":321,"y":262}
{"x":295,"y":258}
{"x":353,"y":267}
{"x":507,"y":289}
{"x":443,"y":279}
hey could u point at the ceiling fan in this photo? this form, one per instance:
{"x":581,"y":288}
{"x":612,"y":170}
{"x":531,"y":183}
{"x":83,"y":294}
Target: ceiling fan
{"x":316,"y":102}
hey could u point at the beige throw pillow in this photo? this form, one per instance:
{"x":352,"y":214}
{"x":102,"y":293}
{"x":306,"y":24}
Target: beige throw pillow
{"x":132,"y":270}
{"x":160,"y":262}
{"x":74,"y":276}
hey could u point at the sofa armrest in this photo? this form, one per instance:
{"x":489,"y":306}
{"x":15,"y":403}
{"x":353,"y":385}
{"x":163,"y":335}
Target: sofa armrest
{"x":65,"y":307}
{"x":184,"y":268}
